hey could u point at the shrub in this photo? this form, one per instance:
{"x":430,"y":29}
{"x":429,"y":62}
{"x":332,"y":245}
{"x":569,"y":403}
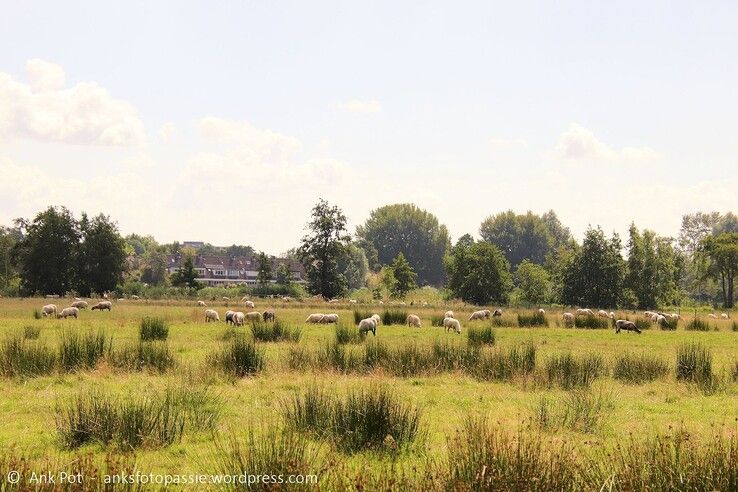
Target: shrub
{"x":241,"y":357}
{"x":481,"y":335}
{"x":531,"y":320}
{"x":31,"y":332}
{"x":638,"y":369}
{"x":568,"y":371}
{"x":278,"y":331}
{"x":505,"y":364}
{"x":21,"y":358}
{"x":394,"y":317}
{"x":143,"y":355}
{"x":153,"y":329}
{"x":81,"y":350}
{"x":348,"y":334}
{"x":694,"y":363}
{"x":698,"y":324}
{"x":592,"y":322}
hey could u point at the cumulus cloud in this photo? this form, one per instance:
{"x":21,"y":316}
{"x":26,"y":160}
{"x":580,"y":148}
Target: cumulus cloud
{"x":254,"y":143}
{"x":580,"y":144}
{"x":43,"y":109}
{"x":358,"y":106}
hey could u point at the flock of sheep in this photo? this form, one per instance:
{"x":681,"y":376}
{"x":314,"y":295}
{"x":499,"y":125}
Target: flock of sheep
{"x":73,"y":310}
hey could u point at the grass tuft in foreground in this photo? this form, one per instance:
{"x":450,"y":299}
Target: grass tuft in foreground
{"x":153,"y":329}
{"x":638,"y":369}
{"x":278,"y":331}
{"x":239,"y":358}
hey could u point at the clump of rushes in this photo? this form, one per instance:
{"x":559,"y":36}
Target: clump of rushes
{"x":153,"y":329}
{"x":239,"y":358}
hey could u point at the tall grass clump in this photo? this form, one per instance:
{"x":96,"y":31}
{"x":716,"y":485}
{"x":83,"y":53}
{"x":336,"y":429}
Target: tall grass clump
{"x":489,"y":457}
{"x":694,"y":363}
{"x":394,"y":317}
{"x":31,"y":332}
{"x":480,"y":335}
{"x":592,"y":322}
{"x":734,"y":326}
{"x":337,"y":357}
{"x":637,"y":369}
{"x":37,"y":314}
{"x":81,"y":350}
{"x":366,"y":418}
{"x":21,"y":358}
{"x":153,"y":329}
{"x":504,"y":320}
{"x":437,"y":320}
{"x":155,"y":356}
{"x":506,"y":363}
{"x":300,"y":358}
{"x":239,"y":358}
{"x":348,"y":334}
{"x":569,"y":371}
{"x":449,"y":356}
{"x":642,"y":324}
{"x":581,"y":410}
{"x":532,"y":320}
{"x":698,"y":324}
{"x":669,"y":324}
{"x":278,"y":331}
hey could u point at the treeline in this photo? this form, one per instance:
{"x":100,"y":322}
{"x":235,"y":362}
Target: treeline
{"x":519,"y":259}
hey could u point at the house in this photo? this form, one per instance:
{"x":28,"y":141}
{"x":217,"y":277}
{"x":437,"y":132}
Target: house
{"x":232,"y":270}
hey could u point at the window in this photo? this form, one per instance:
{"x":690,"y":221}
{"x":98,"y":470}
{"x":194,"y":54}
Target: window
{"x":219,"y":273}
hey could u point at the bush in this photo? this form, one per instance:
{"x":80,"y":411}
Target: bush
{"x":394,"y":317}
{"x":698,"y":325}
{"x":694,"y":364}
{"x":638,"y":369}
{"x":278,"y":331}
{"x":531,"y":320}
{"x":568,"y":371}
{"x":505,"y":364}
{"x":153,"y":329}
{"x":143,"y":355}
{"x":81,"y":350}
{"x":581,"y":410}
{"x":484,"y":335}
{"x":31,"y":332}
{"x":592,"y":322}
{"x":348,"y":334}
{"x":21,"y":358}
{"x":241,"y":357}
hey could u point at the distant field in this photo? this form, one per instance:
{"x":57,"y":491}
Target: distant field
{"x":447,"y":397}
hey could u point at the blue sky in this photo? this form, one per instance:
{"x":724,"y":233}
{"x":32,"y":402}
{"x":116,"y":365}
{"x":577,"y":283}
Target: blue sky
{"x":226,"y":121}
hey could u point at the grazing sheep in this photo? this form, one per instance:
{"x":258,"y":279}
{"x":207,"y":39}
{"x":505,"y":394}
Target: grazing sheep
{"x":497,"y":313}
{"x":102,"y":306}
{"x":376,"y":319}
{"x":333,"y":301}
{"x":478,"y":315}
{"x":611,"y":315}
{"x":80,"y":304}
{"x":253,"y":316}
{"x":352,"y":301}
{"x":622,"y":324}
{"x":135,"y":297}
{"x":329,"y":318}
{"x":602,"y":313}
{"x":211,"y":315}
{"x":585,"y":312}
{"x":48,"y":310}
{"x":269,"y":315}
{"x":229,"y":317}
{"x":314,"y":318}
{"x":70,"y":311}
{"x":367,"y":325}
{"x":661,"y":320}
{"x":675,"y":316}
{"x":413,"y":320}
{"x":286,"y":299}
{"x":724,"y":316}
{"x":655,"y":317}
{"x":238,"y":318}
{"x":202,"y":304}
{"x":249,"y":304}
{"x":712,"y":316}
{"x":449,"y":314}
{"x":648,"y":314}
{"x":568,"y":319}
{"x":542,"y":312}
{"x":452,"y":324}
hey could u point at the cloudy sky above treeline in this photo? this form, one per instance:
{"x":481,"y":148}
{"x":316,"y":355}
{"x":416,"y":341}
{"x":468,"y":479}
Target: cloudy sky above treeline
{"x":225,"y":122}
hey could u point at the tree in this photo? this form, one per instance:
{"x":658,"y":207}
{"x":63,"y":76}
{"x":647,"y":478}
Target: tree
{"x":478,"y":273}
{"x":533,"y":282}
{"x":405,"y":277}
{"x":264,"y":275}
{"x":48,"y":252}
{"x":101,"y":259}
{"x":154,"y":270}
{"x":354,"y":266}
{"x":283,"y":275}
{"x":722,"y":253}
{"x":9,"y":237}
{"x":322,"y":248}
{"x":696,"y":227}
{"x":405,"y":228}
{"x":652,"y":274}
{"x":186,"y":275}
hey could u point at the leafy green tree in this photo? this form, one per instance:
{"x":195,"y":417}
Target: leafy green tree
{"x":48,"y":252}
{"x":186,"y":275}
{"x":9,"y":237}
{"x":354,"y":266}
{"x":533,"y":281}
{"x":264,"y":268}
{"x":405,"y":228}
{"x":322,"y":248}
{"x":154,"y":270}
{"x":283,"y":276}
{"x":722,"y":253}
{"x":478,"y":273}
{"x":101,"y":257}
{"x":405,"y":277}
{"x":652,"y":271}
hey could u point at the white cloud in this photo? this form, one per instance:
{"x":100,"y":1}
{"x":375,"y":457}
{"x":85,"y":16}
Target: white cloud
{"x":84,"y":114}
{"x":580,"y":144}
{"x":254,"y":143}
{"x":358,"y":106}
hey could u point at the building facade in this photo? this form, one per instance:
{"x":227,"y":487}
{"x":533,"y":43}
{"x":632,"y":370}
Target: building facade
{"x":233,"y":270}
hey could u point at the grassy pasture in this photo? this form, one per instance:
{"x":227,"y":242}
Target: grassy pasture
{"x":636,"y":405}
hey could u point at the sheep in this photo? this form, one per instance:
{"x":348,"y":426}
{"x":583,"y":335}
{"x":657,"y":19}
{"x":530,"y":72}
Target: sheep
{"x":376,"y":318}
{"x":712,"y":316}
{"x":367,"y":325}
{"x":48,"y":310}
{"x":661,"y":320}
{"x":225,"y":298}
{"x":413,"y":320}
{"x":333,"y":301}
{"x":452,"y":324}
{"x":478,"y":315}
{"x":724,"y":316}
{"x":655,"y":317}
{"x":253,"y":316}
{"x":102,"y":306}
{"x":269,"y":315}
{"x":352,"y":301}
{"x":648,"y":314}
{"x":238,"y":318}
{"x":314,"y":318}
{"x":568,"y":319}
{"x":52,"y":296}
{"x":244,"y":298}
{"x":497,"y":313}
{"x":211,"y":315}
{"x":611,"y":315}
{"x":675,"y":316}
{"x":542,"y":312}
{"x":135,"y":297}
{"x":585,"y":311}
{"x":622,"y":324}
{"x":249,"y":304}
{"x":229,"y":317}
{"x":602,"y":313}
{"x":381,"y":303}
{"x":449,"y":314}
{"x":286,"y":299}
{"x":329,"y":318}
{"x":202,"y":304}
{"x":80,"y":304}
{"x":70,"y":311}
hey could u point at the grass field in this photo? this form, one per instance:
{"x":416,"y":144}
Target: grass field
{"x":608,"y":407}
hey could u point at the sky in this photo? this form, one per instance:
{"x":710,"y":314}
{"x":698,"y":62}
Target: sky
{"x":226,"y":121}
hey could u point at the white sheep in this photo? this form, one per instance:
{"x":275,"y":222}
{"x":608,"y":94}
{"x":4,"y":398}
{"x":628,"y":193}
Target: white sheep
{"x":202,"y":304}
{"x":238,"y":318}
{"x":478,"y":315}
{"x":602,"y":313}
{"x":449,"y":314}
{"x":329,"y":318}
{"x":314,"y":318}
{"x":585,"y":312}
{"x":80,"y":304}
{"x":367,"y":325}
{"x":352,"y":301}
{"x":542,"y":311}
{"x":70,"y":311}
{"x":568,"y":319}
{"x":211,"y":315}
{"x":226,"y":298}
{"x":249,"y":304}
{"x":661,"y":320}
{"x":626,"y":325}
{"x":253,"y":316}
{"x":102,"y":306}
{"x":452,"y":324}
{"x":655,"y":317}
{"x":712,"y":316}
{"x":498,"y":312}
{"x":333,"y":301}
{"x":648,"y":314}
{"x":48,"y":310}
{"x":611,"y":315}
{"x":413,"y":320}
{"x":724,"y":316}
{"x":376,"y":318}
{"x":135,"y":297}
